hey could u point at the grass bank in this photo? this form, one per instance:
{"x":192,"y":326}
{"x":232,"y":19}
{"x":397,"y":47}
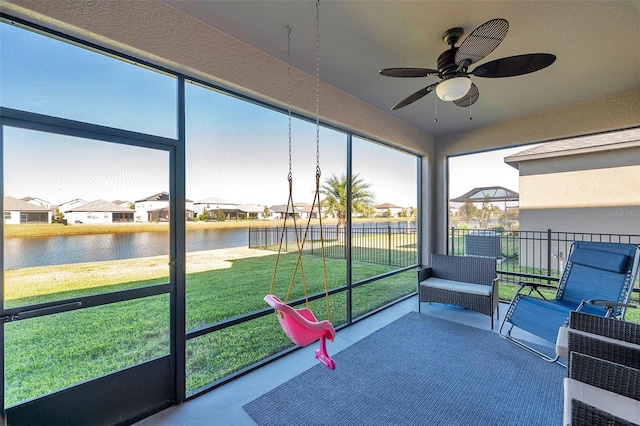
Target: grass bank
{"x":54,"y":229}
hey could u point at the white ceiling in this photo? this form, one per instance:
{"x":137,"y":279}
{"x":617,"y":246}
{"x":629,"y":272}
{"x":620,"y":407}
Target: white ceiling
{"x":597,"y":44}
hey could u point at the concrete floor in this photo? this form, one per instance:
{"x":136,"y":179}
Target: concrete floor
{"x":223,"y":406}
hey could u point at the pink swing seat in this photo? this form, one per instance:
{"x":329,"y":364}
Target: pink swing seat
{"x":302,"y":327}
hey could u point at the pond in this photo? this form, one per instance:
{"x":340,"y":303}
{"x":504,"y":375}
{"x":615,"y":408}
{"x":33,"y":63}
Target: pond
{"x":25,"y":252}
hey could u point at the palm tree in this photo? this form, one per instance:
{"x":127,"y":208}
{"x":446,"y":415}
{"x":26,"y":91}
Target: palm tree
{"x":468,"y":211}
{"x":335,"y":197}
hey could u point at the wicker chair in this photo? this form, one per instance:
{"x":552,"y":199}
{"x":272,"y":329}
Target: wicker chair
{"x":466,"y":281}
{"x":603,"y":383}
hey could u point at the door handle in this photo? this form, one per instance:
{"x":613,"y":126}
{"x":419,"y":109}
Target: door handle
{"x":31,"y":313}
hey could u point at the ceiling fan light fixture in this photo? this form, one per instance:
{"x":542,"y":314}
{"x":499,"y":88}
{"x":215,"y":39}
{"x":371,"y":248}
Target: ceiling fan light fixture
{"x":453,"y":89}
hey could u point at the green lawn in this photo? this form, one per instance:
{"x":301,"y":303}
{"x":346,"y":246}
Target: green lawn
{"x":52,"y":352}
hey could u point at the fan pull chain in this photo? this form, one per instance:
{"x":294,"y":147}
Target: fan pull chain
{"x":435,"y":107}
{"x":470,"y":118}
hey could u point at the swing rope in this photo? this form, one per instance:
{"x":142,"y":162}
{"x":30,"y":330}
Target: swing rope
{"x":316,"y":200}
{"x":318,"y":172}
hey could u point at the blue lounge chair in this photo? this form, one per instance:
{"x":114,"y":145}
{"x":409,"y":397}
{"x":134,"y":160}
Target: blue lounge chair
{"x":598,"y":279}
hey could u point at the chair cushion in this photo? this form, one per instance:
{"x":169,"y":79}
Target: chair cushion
{"x":562,"y":342}
{"x":604,"y":260}
{"x":459,"y":286}
{"x":620,"y":406}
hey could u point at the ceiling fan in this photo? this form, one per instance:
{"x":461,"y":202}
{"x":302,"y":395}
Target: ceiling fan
{"x":453,"y":64}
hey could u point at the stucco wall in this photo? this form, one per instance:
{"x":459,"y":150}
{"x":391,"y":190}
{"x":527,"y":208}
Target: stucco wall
{"x":590,"y":192}
{"x":605,"y":179}
{"x":606,"y":220}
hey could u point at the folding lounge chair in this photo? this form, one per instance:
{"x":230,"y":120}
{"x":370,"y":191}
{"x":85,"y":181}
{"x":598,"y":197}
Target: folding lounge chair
{"x":598,"y":279}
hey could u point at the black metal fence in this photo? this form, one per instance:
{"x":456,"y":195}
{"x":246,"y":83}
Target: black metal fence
{"x":532,"y":255}
{"x":536,"y":255}
{"x":388,"y":245}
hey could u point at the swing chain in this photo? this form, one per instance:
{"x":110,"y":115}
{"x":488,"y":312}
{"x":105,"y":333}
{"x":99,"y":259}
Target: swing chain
{"x":317,"y":87}
{"x":316,"y":202}
{"x":289,"y":177}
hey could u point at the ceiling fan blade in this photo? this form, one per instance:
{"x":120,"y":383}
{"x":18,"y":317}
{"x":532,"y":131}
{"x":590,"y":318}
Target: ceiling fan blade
{"x":514,"y":65}
{"x":408,"y":72}
{"x":482,"y":41}
{"x":414,"y":97}
{"x":470,"y":98}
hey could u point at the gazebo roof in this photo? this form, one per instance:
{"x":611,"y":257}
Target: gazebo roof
{"x":487,"y":194}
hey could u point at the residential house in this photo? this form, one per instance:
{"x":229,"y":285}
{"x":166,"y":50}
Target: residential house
{"x":387,"y":210}
{"x":251,"y":211}
{"x":154,"y":203}
{"x":71,"y":204}
{"x":124,"y":203}
{"x":278,"y":211}
{"x":16,"y":211}
{"x":99,"y":212}
{"x":581,"y":184}
{"x":37,"y":202}
{"x":306,"y":211}
{"x":156,"y":208}
{"x":214,"y":205}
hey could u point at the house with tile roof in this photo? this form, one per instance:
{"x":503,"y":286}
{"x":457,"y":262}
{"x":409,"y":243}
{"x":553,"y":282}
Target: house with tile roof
{"x":100,"y":212}
{"x":16,"y":211}
{"x":278,"y":211}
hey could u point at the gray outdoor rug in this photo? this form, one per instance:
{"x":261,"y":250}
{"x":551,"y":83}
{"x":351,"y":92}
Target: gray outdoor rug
{"x":421,"y":370}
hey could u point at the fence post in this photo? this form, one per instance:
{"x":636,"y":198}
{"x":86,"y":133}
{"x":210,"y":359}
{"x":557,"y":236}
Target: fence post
{"x":389,"y":234}
{"x":452,"y":241}
{"x":549,"y":253}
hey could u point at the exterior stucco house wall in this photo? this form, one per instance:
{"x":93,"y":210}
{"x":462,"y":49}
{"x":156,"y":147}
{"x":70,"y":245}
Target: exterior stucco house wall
{"x":153,"y":203}
{"x":581,"y":185}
